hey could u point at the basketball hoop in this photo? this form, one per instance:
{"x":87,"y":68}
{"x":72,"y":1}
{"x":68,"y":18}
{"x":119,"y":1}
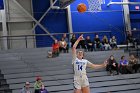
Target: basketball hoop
{"x":95,"y":5}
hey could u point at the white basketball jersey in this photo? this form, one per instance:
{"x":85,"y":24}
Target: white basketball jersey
{"x":80,"y":66}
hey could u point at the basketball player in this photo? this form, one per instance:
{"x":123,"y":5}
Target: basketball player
{"x":81,"y":83}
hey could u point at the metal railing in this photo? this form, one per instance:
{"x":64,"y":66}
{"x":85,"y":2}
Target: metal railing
{"x":30,"y":41}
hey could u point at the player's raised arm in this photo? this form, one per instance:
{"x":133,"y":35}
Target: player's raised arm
{"x":75,"y":45}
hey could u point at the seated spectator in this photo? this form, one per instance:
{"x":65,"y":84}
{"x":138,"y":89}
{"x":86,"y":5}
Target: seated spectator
{"x":112,"y":65}
{"x":43,"y":90}
{"x":130,"y":38}
{"x":55,"y":48}
{"x":26,"y":88}
{"x":133,"y":64}
{"x":63,"y":46}
{"x":124,"y":66}
{"x":67,"y":41}
{"x":89,"y":44}
{"x":106,"y":43}
{"x":73,"y":40}
{"x":38,"y":84}
{"x":131,"y":41}
{"x":97,"y":43}
{"x":113,"y":42}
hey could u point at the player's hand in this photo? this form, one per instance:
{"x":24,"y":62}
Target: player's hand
{"x":105,"y":63}
{"x":81,"y":37}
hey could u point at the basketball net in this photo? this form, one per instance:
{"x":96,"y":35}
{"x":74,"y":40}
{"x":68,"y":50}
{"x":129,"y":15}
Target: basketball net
{"x":94,"y":5}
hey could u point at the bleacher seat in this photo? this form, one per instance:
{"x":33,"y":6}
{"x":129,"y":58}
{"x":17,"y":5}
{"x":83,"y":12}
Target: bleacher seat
{"x":19,"y":66}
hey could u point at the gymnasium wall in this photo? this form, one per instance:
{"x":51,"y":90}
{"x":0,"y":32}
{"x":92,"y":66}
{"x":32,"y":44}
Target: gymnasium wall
{"x":18,"y":23}
{"x":1,"y":4}
{"x":109,"y":19}
{"x":135,"y":15}
{"x":135,"y":19}
{"x":55,"y":22}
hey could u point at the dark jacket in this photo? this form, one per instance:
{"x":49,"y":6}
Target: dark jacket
{"x":110,"y":62}
{"x":43,"y":91}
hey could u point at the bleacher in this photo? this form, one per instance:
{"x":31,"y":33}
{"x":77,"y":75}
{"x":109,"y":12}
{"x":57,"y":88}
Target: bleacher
{"x":19,"y":66}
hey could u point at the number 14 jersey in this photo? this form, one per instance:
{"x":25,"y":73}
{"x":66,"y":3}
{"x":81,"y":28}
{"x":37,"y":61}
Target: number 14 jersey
{"x":80,"y":66}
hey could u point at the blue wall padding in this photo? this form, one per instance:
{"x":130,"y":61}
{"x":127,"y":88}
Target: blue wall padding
{"x":39,"y":7}
{"x":1,"y":4}
{"x":109,"y":19}
{"x":55,"y":22}
{"x":134,"y":16}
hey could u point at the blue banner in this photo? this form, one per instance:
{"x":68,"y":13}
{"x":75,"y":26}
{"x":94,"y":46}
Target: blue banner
{"x":1,"y":4}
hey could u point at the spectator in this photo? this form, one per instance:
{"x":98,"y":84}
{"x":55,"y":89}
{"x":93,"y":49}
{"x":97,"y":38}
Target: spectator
{"x":106,"y":43}
{"x":130,"y":38}
{"x":113,"y":42}
{"x":131,"y":41}
{"x":133,"y":64}
{"x":112,"y":65}
{"x":38,"y":84}
{"x":67,"y":41}
{"x":97,"y":43}
{"x":43,"y":90}
{"x":89,"y":44}
{"x":26,"y":88}
{"x":73,"y":40}
{"x":63,"y":46}
{"x":124,"y":66}
{"x":55,"y":48}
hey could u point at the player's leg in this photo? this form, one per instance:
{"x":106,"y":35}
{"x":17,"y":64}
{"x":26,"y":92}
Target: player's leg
{"x":77,"y":85}
{"x":86,"y":89}
{"x":85,"y":85}
{"x":77,"y":91}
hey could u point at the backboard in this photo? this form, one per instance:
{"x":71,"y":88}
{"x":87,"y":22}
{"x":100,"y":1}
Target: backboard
{"x":60,"y":4}
{"x":65,"y":3}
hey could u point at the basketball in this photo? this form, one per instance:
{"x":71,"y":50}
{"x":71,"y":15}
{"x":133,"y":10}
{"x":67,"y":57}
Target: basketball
{"x":81,"y":8}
